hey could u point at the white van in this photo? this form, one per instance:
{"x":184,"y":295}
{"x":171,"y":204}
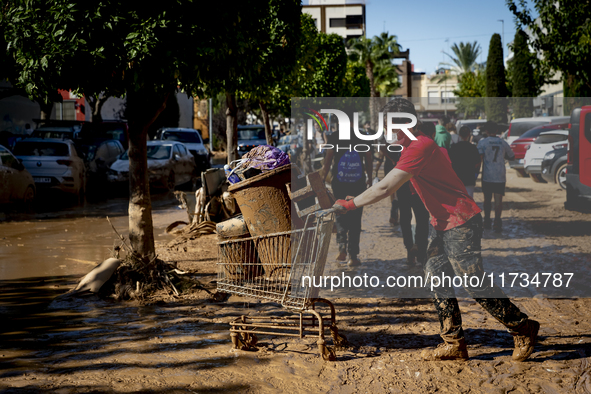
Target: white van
{"x":519,"y":126}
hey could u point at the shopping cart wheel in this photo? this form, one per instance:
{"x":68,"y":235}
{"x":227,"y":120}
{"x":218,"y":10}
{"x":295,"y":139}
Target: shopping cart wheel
{"x":328,"y":354}
{"x":339,"y":340}
{"x":250,"y":340}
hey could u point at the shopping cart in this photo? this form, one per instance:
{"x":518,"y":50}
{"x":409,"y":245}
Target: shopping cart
{"x":263,"y":267}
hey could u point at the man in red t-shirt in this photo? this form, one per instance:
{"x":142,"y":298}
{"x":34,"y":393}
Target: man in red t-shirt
{"x":454,"y":247}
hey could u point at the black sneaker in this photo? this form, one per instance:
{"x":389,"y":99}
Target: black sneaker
{"x":498,"y":226}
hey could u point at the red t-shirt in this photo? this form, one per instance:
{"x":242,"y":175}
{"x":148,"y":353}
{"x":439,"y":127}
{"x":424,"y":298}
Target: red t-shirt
{"x":434,"y":179}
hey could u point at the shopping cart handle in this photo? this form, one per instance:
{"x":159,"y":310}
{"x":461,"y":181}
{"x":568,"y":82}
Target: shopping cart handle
{"x":325,"y":212}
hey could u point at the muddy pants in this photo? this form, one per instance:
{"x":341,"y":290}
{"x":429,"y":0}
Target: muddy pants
{"x":408,"y":204}
{"x":457,"y":252}
{"x":349,"y":225}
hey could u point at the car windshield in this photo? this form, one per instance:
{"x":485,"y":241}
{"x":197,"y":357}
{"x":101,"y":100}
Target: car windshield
{"x":155,"y":152}
{"x":182,"y":136}
{"x":518,"y":128}
{"x":550,"y":138}
{"x":533,"y":133}
{"x":251,"y":134}
{"x":40,"y":148}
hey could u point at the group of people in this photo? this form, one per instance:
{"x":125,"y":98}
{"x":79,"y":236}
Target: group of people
{"x":433,"y":178}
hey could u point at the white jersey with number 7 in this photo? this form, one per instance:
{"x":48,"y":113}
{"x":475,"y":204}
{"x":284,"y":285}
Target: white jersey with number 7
{"x":495,"y":151}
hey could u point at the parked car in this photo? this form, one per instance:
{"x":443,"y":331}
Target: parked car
{"x":523,"y":143}
{"x":471,"y":123}
{"x":547,"y":141}
{"x":578,"y":170}
{"x":520,"y":125}
{"x":250,"y":136}
{"x":169,"y":164}
{"x":54,"y":164}
{"x":554,"y":166}
{"x":191,"y":138}
{"x":98,"y":156}
{"x":58,"y":132}
{"x":16,"y":183}
{"x":290,"y":144}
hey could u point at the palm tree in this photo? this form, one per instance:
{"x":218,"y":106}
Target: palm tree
{"x":465,"y":60}
{"x":370,"y":52}
{"x":375,"y":55}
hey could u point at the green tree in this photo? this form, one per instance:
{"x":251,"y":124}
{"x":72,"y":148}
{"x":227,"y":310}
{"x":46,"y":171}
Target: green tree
{"x":471,"y":91}
{"x":522,"y":77}
{"x":369,"y":52}
{"x":562,"y":35}
{"x":145,"y":53}
{"x":496,"y":89}
{"x":464,"y":60}
{"x":356,"y":83}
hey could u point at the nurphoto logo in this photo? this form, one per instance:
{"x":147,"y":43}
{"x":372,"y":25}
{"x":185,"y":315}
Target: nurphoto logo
{"x":393,"y":125}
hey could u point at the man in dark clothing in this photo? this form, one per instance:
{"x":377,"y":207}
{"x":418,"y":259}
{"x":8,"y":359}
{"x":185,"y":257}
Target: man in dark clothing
{"x":351,"y":175}
{"x":465,"y":160}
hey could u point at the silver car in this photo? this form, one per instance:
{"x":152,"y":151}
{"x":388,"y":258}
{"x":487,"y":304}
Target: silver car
{"x":54,"y":164}
{"x":169,"y":164}
{"x":16,"y":183}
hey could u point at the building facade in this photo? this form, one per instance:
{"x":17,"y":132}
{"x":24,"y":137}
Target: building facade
{"x":334,"y":16}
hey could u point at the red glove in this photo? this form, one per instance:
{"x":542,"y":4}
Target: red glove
{"x":345,"y":205}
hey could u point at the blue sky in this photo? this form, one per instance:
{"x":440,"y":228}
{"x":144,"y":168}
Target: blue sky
{"x":423,"y":26}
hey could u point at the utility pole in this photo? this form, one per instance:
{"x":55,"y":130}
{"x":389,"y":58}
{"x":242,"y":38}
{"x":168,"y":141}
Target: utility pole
{"x":503,"y":23}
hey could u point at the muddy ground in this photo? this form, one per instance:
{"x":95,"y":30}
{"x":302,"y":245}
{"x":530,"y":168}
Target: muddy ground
{"x":182,"y":344}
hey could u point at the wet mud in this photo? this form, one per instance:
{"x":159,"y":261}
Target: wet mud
{"x":169,"y":344}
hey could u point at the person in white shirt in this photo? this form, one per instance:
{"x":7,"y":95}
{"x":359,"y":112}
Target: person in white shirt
{"x":493,"y":151}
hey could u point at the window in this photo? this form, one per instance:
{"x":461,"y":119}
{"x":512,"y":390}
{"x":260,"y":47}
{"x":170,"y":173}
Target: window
{"x":448,"y":97}
{"x":400,"y":79}
{"x":338,"y":22}
{"x":433,"y":97}
{"x":315,"y":22}
{"x":354,"y":21}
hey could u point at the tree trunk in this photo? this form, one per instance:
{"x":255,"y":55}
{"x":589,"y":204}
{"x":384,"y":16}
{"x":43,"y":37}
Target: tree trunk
{"x":373,"y":94}
{"x":45,"y":110}
{"x":142,"y":109}
{"x":96,"y":103}
{"x":268,"y":131}
{"x":231,"y":127}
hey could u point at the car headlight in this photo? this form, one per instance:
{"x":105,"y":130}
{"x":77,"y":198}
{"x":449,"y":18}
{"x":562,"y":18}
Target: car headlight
{"x":549,"y":156}
{"x":202,"y":151}
{"x":112,"y":172}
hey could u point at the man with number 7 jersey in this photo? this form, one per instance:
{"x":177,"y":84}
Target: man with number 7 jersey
{"x":493,"y":151}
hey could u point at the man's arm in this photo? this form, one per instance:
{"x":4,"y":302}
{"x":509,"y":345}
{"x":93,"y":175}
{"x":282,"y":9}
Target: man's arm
{"x":384,"y":188}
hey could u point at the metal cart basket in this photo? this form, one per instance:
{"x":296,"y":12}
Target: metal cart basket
{"x":281,"y":268}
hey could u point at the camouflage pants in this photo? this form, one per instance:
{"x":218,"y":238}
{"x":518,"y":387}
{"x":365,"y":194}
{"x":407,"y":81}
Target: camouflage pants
{"x":457,"y":252}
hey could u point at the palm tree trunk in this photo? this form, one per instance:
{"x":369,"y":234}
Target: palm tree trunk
{"x":373,"y":112}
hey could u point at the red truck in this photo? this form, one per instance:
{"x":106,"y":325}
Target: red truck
{"x":578,"y":170}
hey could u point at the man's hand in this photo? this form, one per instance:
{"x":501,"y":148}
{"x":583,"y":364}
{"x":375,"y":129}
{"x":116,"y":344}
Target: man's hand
{"x":344,"y":206}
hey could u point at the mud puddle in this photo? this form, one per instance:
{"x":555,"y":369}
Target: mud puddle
{"x":72,"y":242}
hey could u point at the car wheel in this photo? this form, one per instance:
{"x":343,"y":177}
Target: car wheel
{"x":28,"y":199}
{"x":171,"y":181}
{"x":561,"y":176}
{"x":537,"y":178}
{"x":521,"y":173}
